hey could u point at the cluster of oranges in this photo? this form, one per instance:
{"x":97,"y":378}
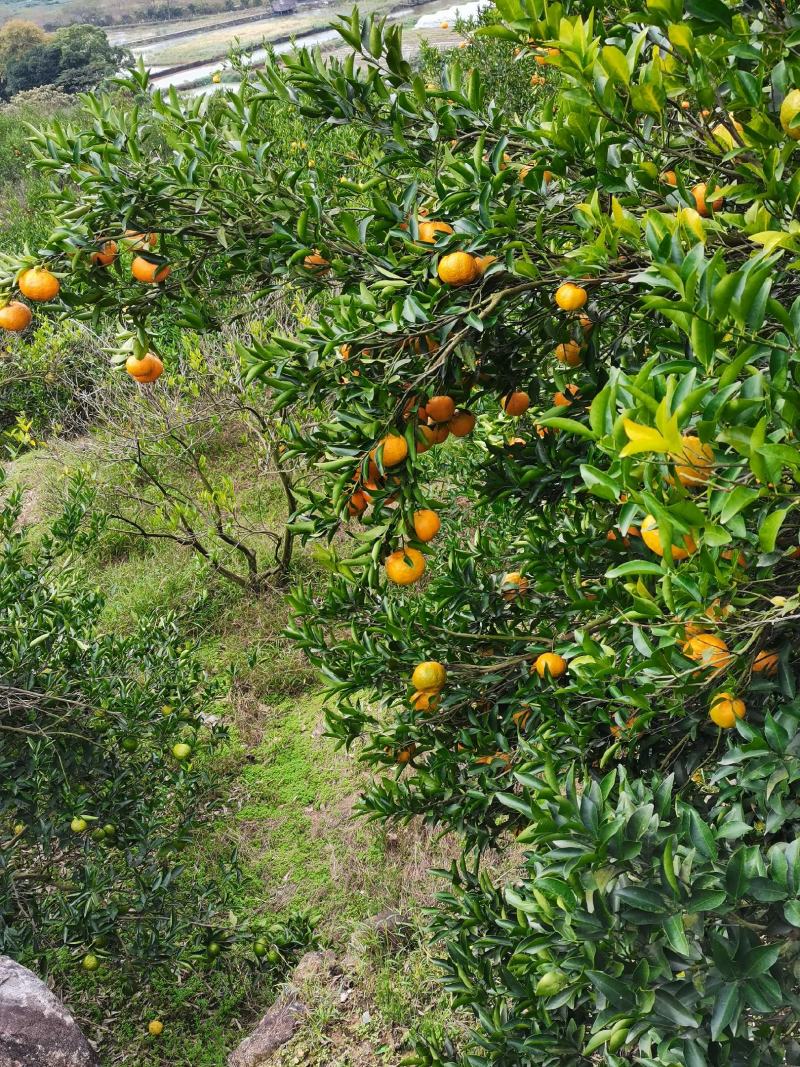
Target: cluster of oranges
{"x":438,"y":417}
{"x":39,"y":285}
{"x":698,"y":192}
{"x":712,"y":653}
{"x":429,"y":677}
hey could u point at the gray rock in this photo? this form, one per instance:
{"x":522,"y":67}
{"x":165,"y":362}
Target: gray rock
{"x":35,"y":1027}
{"x":275,"y":1029}
{"x":314,"y":967}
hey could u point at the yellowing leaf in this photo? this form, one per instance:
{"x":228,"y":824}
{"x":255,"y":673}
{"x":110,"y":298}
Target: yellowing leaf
{"x":681,"y":37}
{"x":772,"y":239}
{"x":615,"y":63}
{"x":643,"y":439}
{"x":693,"y":222}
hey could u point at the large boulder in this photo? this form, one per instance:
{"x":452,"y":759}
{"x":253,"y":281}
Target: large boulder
{"x":35,"y":1027}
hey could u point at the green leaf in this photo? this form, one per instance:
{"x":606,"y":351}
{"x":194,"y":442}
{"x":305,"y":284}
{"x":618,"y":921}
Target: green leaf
{"x":726,"y":1007}
{"x":615,"y":63}
{"x":770,"y":527}
{"x":676,"y":935}
{"x":503,"y":32}
{"x":635,"y":566}
{"x":642,"y":899}
{"x":737,"y":500}
{"x":713,"y":11}
{"x":568,"y":425}
{"x":648,"y":99}
{"x":617,"y":993}
{"x":598,"y":483}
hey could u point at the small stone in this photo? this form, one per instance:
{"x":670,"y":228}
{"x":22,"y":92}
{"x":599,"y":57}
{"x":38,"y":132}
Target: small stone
{"x":275,"y":1029}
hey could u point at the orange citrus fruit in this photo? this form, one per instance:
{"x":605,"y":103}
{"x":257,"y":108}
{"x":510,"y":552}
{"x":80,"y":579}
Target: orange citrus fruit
{"x":405,"y":566}
{"x":708,"y":650}
{"x":694,"y":463}
{"x":700,"y":202}
{"x":550,"y":663}
{"x":440,"y":408}
{"x":570,"y":297}
{"x":458,"y":268}
{"x":766,"y":662}
{"x":425,"y":700}
{"x":652,"y":538}
{"x":136,"y":240}
{"x":104,"y":255}
{"x":569,"y":353}
{"x":513,"y":585}
{"x":426,"y":526}
{"x":394,"y":450}
{"x":149,"y":273}
{"x":316,"y":262}
{"x":358,"y":503}
{"x":516,"y":403}
{"x":37,"y":283}
{"x":429,"y":230}
{"x":726,"y":709}
{"x":15,"y":316}
{"x":146,"y":369}
{"x":430,"y":674}
{"x":462,"y":423}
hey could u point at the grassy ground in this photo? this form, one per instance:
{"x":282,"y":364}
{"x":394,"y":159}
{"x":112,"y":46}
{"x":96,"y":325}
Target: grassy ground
{"x":288,"y":811}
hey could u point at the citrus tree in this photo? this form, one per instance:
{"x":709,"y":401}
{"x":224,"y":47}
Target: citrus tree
{"x":577,"y":628}
{"x":105,"y":758}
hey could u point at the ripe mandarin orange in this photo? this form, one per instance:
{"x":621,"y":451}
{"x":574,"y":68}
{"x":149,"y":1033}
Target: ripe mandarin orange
{"x":700,"y":202}
{"x":37,"y":283}
{"x":708,"y":650}
{"x":514,"y":585}
{"x":726,"y":709}
{"x":462,"y":423}
{"x":569,"y":353}
{"x":440,"y":408}
{"x":149,"y":273}
{"x":426,"y":524}
{"x":652,"y":538}
{"x":550,"y":663}
{"x":570,"y":297}
{"x":430,"y":674}
{"x":144,"y":370}
{"x":458,"y":268}
{"x":393,"y":449}
{"x":15,"y":316}
{"x":405,"y":566}
{"x":516,"y":403}
{"x":316,"y":263}
{"x":693,"y":464}
{"x":429,"y":230}
{"x":766,"y":662}
{"x":105,"y":255}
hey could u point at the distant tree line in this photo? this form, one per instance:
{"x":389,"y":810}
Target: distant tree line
{"x":89,"y":11}
{"x":73,"y":59}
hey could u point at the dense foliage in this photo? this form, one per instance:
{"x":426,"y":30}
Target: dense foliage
{"x":609,"y":633}
{"x":104,"y":744}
